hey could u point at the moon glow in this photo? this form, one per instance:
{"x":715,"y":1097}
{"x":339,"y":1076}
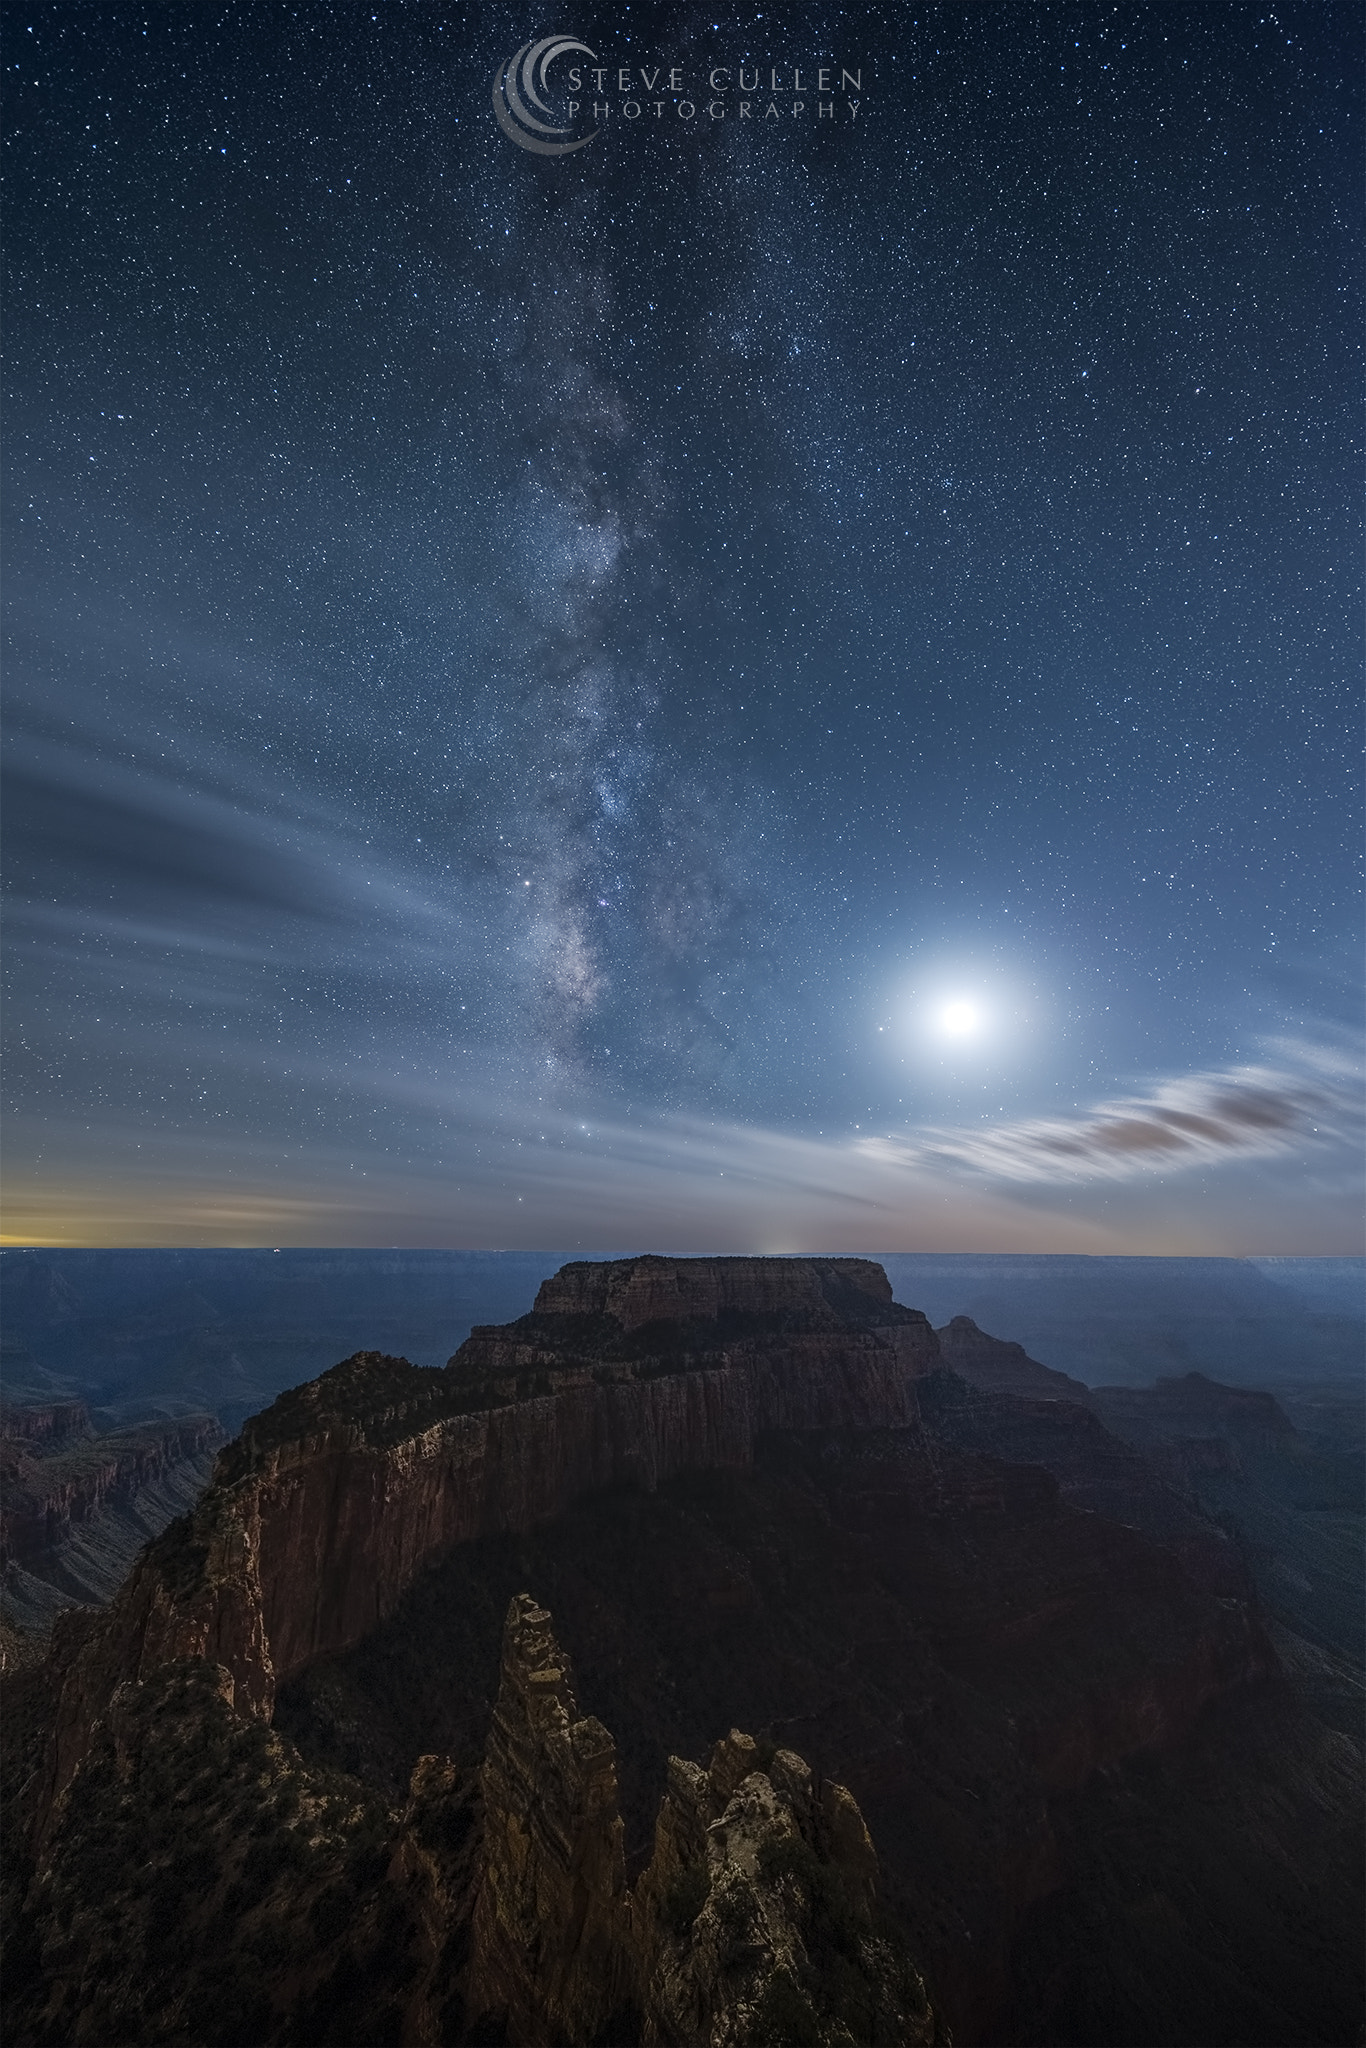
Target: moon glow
{"x":959,"y":1019}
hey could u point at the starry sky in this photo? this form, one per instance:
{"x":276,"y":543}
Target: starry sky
{"x":766,"y":683}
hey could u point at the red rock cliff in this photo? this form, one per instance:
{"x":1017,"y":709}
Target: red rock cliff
{"x":327,"y":1507}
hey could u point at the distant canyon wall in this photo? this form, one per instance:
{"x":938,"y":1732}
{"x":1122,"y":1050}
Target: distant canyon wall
{"x":60,"y":1478}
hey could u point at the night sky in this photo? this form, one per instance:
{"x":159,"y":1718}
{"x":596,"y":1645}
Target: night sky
{"x":769,"y":682}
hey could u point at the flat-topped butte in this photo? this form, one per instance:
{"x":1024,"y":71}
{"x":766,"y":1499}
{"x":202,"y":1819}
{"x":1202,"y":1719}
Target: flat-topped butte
{"x":595,"y":1322}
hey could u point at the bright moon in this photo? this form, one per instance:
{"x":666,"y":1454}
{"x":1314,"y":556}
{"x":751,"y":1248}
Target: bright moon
{"x":959,"y":1020}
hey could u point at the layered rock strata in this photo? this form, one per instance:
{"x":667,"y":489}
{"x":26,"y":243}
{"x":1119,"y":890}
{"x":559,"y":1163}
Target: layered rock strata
{"x":749,"y":1499}
{"x":330,"y":1503}
{"x":757,"y":1913}
{"x":42,"y":1423}
{"x":76,"y":1507}
{"x":57,"y":1473}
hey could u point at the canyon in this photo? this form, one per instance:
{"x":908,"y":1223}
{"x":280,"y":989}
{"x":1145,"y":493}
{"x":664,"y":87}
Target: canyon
{"x":77,"y":1505}
{"x":753,"y":1494}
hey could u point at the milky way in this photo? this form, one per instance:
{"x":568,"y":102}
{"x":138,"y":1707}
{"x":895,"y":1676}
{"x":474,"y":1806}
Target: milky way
{"x":531,"y":679}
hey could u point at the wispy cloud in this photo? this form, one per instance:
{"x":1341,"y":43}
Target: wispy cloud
{"x":465,"y":1163}
{"x":1308,"y":1099}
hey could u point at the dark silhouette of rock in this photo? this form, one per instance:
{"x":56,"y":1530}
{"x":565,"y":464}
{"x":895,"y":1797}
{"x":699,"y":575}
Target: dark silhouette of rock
{"x":1192,"y":1408}
{"x":998,"y":1367}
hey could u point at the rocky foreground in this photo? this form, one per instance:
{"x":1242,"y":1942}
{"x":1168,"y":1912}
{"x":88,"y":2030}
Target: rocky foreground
{"x":319,"y":1775}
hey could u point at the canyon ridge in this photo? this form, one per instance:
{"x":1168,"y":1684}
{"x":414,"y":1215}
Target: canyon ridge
{"x":717,"y":1653}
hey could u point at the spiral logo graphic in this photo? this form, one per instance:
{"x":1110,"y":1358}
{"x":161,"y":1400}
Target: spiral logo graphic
{"x":522,"y":80}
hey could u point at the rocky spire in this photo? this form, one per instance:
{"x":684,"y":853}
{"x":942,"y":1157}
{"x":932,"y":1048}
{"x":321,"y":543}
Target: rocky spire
{"x":754,"y":1924}
{"x":551,"y":1943}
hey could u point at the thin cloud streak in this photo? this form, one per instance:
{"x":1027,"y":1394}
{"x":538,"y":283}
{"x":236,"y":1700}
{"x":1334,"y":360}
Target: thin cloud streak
{"x":465,"y":1164}
{"x":1248,"y":1113}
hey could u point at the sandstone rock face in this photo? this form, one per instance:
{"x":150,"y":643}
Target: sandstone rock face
{"x":551,"y":1946}
{"x":828,"y":1293}
{"x":758,"y":1876}
{"x":200,"y":1884}
{"x":202,"y":1881}
{"x":1218,"y":1475}
{"x":330,"y":1503}
{"x":751,"y":1496}
{"x":561,"y":1404}
{"x":195,"y":1593}
{"x":436,"y":1868}
{"x":760,"y":1880}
